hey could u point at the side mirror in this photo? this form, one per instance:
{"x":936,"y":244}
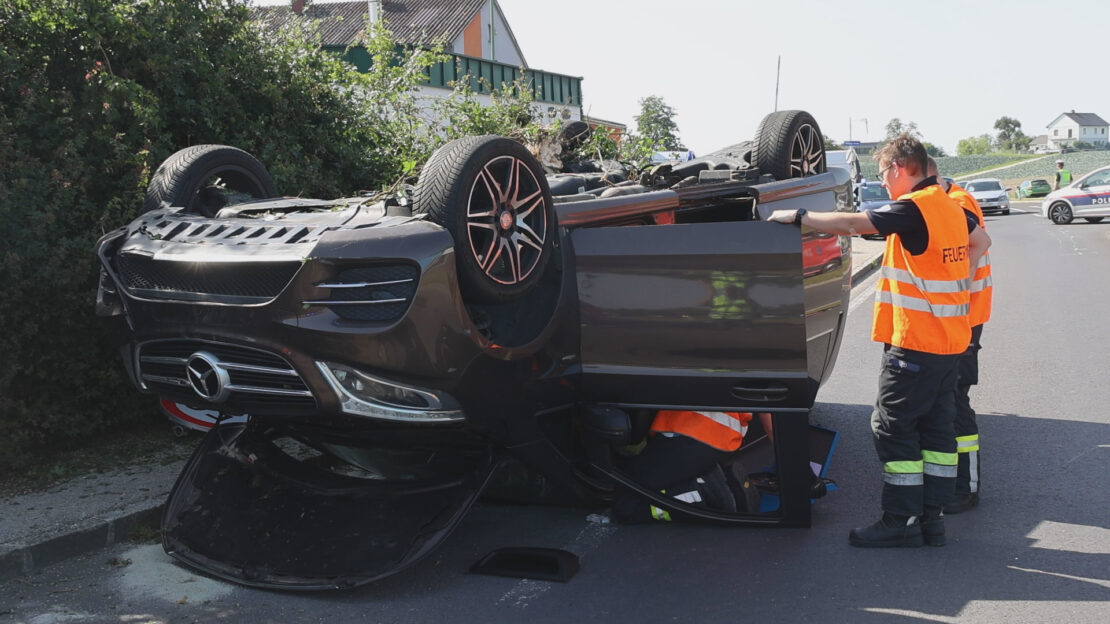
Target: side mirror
{"x":1009,"y":188}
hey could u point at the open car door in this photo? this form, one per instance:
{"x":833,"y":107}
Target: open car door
{"x":708,"y":315}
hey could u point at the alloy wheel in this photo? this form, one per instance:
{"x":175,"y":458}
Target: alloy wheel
{"x":506,"y":220}
{"x":806,"y":152}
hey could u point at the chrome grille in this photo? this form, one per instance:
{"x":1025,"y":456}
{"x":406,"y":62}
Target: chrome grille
{"x":260,"y":382}
{"x":378,"y":293}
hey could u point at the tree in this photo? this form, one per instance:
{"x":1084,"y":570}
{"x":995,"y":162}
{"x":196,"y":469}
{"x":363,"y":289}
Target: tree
{"x":895,"y":127}
{"x":655,"y":124}
{"x":935,"y":151}
{"x":1010,"y":137}
{"x":974,"y":145}
{"x":831,"y":144}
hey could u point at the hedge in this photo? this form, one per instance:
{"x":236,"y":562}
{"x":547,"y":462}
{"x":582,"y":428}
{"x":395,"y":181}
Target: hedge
{"x":94,"y":94}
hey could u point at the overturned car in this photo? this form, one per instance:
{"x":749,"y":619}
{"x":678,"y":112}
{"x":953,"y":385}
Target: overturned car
{"x":391,"y":353}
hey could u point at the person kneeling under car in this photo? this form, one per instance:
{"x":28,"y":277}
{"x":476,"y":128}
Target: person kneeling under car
{"x":683,"y":459}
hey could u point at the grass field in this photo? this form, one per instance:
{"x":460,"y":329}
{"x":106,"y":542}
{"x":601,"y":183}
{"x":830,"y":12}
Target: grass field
{"x":1010,"y":168}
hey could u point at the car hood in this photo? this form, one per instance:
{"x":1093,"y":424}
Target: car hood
{"x":988,"y":195}
{"x":298,"y":509}
{"x":1051,"y":197}
{"x":873,"y":205}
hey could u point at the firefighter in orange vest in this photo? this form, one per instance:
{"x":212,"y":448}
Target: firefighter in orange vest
{"x":921,"y":317}
{"x":682,"y":459}
{"x":967,"y":373}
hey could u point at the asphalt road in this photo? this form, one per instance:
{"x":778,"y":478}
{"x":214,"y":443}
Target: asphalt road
{"x":1036,"y":550}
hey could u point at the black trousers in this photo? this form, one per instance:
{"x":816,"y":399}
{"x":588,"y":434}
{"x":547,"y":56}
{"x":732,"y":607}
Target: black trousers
{"x":665,"y":462}
{"x":967,"y":431}
{"x":912,"y":425}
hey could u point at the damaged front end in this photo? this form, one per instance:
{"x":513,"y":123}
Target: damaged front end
{"x":297,"y":508}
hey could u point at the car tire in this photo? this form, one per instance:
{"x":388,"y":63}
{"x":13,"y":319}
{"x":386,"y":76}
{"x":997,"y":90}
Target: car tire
{"x":1093,"y":219}
{"x":491,"y":194}
{"x":202,"y":179}
{"x":789,"y":144}
{"x":1060,"y":213}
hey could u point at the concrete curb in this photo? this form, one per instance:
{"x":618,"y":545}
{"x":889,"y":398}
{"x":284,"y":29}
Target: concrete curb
{"x":68,"y":522}
{"x":866,"y":257}
{"x":23,"y":561}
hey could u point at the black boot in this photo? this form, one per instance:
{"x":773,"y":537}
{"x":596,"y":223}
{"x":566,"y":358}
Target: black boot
{"x":961,"y":502}
{"x":892,"y":531}
{"x":932,"y":526}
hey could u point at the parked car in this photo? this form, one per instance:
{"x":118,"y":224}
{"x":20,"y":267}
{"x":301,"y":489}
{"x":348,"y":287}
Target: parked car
{"x":1087,"y":197}
{"x":392,"y":351}
{"x":1033,"y":188}
{"x":872,"y":195}
{"x":846,"y":158}
{"x":990,"y":194}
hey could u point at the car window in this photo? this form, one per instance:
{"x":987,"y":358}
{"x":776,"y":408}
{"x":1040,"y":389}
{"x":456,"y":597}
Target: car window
{"x":872,"y":193}
{"x":1039,"y":182}
{"x":1098,"y":179}
{"x":984,"y":186}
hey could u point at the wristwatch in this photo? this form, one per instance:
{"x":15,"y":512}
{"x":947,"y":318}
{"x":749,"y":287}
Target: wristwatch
{"x":798,"y":214}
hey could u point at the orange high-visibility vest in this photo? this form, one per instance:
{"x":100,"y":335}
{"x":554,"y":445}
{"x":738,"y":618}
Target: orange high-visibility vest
{"x":721,"y":430}
{"x":922,"y":302}
{"x":982,"y":288}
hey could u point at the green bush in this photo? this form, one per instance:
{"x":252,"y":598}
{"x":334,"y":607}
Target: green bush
{"x":94,"y":94}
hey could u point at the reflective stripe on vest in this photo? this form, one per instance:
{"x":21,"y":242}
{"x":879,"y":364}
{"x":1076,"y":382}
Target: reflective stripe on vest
{"x":932,"y":286}
{"x":922,"y":302}
{"x":922,"y":305}
{"x":978,"y":286}
{"x":721,"y":430}
{"x":981,"y":286}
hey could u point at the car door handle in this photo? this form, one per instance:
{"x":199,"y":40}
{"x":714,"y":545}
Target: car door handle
{"x":767,"y":394}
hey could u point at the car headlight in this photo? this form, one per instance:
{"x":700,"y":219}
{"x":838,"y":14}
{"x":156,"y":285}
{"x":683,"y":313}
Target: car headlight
{"x":363,"y":394}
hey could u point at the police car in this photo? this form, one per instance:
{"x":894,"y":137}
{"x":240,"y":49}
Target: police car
{"x":1087,"y":198}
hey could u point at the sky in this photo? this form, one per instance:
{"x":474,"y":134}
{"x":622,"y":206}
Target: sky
{"x":951,"y":67}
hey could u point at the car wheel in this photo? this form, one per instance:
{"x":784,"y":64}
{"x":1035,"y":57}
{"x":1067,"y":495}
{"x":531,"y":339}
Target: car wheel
{"x":1093,"y":219}
{"x":789,"y":144}
{"x":491,"y":194}
{"x":1060,"y":213}
{"x":204,"y":178}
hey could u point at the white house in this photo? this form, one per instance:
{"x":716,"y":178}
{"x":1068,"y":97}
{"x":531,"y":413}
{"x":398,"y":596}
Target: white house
{"x":474,"y":33}
{"x":1071,"y":127}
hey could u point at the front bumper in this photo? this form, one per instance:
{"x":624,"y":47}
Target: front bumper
{"x":995,"y":205}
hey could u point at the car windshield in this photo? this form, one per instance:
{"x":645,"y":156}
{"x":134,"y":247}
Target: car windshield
{"x":872,"y":193}
{"x":1039,"y":183}
{"x":989,"y":185}
{"x":1098,"y":179}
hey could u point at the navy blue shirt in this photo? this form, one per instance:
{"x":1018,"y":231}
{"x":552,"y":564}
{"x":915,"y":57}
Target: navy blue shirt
{"x":904,"y":219}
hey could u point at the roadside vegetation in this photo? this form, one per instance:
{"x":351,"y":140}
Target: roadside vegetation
{"x":94,"y":95}
{"x":957,"y":166}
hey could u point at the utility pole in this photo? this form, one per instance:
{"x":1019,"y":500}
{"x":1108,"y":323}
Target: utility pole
{"x":492,"y":34}
{"x":778,"y":71}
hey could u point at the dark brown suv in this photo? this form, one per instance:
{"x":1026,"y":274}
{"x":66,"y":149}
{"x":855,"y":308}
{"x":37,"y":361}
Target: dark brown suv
{"x":392,"y":352}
